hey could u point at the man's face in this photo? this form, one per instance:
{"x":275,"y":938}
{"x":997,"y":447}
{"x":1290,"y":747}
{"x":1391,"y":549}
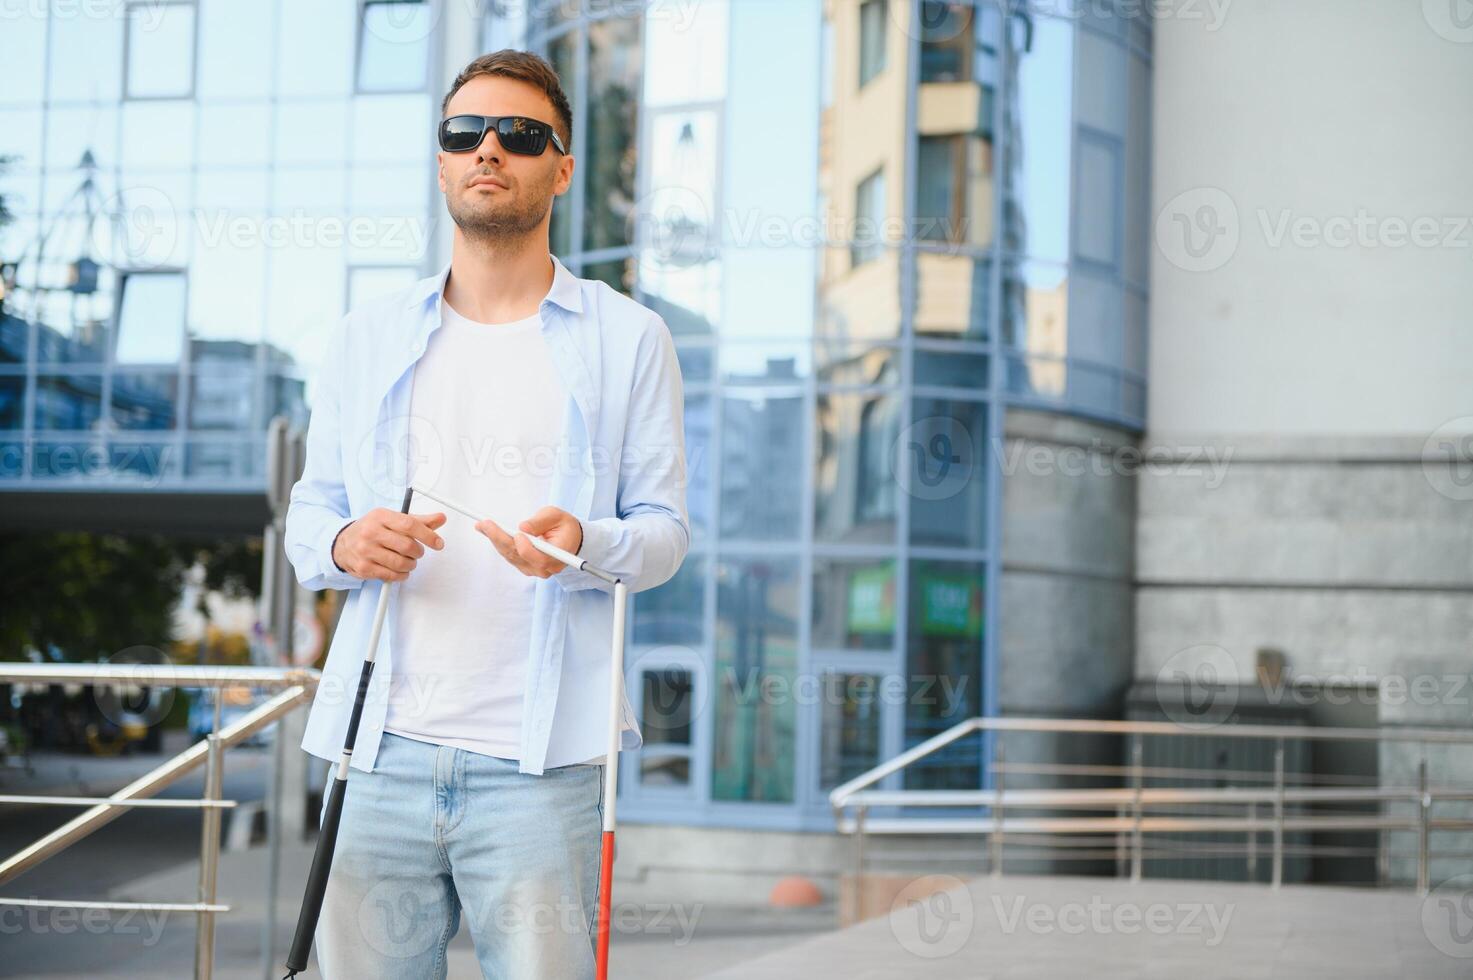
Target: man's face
{"x":491,"y":194}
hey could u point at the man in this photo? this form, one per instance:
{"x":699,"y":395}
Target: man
{"x":551,"y":405}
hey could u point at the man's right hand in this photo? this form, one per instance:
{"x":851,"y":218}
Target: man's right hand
{"x":385,"y":544}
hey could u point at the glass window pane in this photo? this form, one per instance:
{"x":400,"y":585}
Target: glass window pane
{"x":849,"y":727}
{"x":952,"y":369}
{"x":562,"y":54}
{"x":145,"y":400}
{"x":856,"y":364}
{"x":315,"y":48}
{"x":68,"y":401}
{"x":394,"y":45}
{"x":874,"y":16}
{"x":869,"y":220}
{"x":1097,"y":219}
{"x":761,"y":466}
{"x":953,"y":296}
{"x":223,"y":399}
{"x":698,"y":465}
{"x":151,"y":318}
{"x":235,"y":51}
{"x":612,"y":131}
{"x":665,"y":720}
{"x":1035,"y":308}
{"x":1095,"y":326}
{"x":674,"y":613}
{"x":686,"y":60}
{"x":12,"y":401}
{"x":1036,"y":198}
{"x":855,"y":488}
{"x":944,"y":667}
{"x":854,"y":604}
{"x":756,"y":667}
{"x":943,"y":465}
{"x":160,"y":50}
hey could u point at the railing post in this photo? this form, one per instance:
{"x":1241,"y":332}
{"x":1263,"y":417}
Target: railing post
{"x":1424,"y":826}
{"x":994,"y":859}
{"x":859,"y":814}
{"x":1252,"y":842}
{"x":1137,"y":779}
{"x":209,"y":857}
{"x":1278,"y":865}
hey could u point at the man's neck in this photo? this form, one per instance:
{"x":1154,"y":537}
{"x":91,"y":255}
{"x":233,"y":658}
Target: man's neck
{"x":498,"y":284}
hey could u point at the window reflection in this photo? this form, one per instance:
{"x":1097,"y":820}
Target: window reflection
{"x":854,"y":604}
{"x":756,"y":666}
{"x":144,"y":400}
{"x":151,"y":318}
{"x":945,"y":470}
{"x":854,"y":481}
{"x":394,"y":47}
{"x":849,"y":727}
{"x":160,"y":54}
{"x":1035,"y":318}
{"x":944,"y":667}
{"x":667,"y":704}
{"x":68,"y":401}
{"x":612,"y":128}
{"x":12,"y":401}
{"x":761,"y":466}
{"x":1036,"y":191}
{"x":874,"y":16}
{"x":673,"y":613}
{"x":953,"y":296}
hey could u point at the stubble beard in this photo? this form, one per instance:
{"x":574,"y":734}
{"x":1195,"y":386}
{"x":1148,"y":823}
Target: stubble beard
{"x":495,"y":224}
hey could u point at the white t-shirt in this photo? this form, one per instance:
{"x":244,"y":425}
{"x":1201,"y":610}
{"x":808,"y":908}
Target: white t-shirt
{"x":486,"y":414}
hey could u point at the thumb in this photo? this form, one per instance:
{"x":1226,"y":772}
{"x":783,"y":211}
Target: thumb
{"x":431,"y":521}
{"x":541,"y":522}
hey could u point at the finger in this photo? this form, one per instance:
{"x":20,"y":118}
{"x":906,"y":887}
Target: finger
{"x":504,"y":544}
{"x":383,"y":574}
{"x":420,"y":527}
{"x":543,"y":521}
{"x":542,"y":566}
{"x":400,"y":543}
{"x":380,"y":555}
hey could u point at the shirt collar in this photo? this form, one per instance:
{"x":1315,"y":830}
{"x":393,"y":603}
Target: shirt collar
{"x":566,"y":290}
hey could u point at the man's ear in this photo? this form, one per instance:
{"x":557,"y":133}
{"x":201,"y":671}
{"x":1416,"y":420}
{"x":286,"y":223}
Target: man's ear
{"x":566,"y":166}
{"x":440,"y":167}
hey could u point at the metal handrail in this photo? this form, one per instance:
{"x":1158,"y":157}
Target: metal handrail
{"x":1130,"y":803}
{"x":294,"y":687}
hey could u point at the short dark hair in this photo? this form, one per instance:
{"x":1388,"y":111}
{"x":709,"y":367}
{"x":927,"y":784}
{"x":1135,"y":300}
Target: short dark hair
{"x":527,"y":67}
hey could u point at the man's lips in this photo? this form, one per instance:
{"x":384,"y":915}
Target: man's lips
{"x":487,"y":181}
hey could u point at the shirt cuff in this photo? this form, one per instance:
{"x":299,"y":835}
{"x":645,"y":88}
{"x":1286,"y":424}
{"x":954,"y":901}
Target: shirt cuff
{"x":333,"y":576}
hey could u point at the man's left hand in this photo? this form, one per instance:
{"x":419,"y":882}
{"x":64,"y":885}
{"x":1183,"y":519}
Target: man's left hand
{"x":551,"y":523}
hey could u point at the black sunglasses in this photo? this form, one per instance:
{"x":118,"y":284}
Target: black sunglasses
{"x":518,"y":134}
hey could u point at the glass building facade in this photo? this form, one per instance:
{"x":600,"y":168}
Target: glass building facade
{"x":872,"y":226}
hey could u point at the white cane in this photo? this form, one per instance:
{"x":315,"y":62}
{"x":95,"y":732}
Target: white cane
{"x":616,"y":696}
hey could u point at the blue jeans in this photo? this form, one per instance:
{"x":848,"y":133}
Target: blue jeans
{"x":436,"y":831}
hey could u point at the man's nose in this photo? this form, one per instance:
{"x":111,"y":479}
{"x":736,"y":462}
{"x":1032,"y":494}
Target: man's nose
{"x":490,"y":149}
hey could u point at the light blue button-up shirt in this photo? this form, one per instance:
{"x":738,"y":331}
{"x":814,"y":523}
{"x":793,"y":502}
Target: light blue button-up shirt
{"x":620,"y":470}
